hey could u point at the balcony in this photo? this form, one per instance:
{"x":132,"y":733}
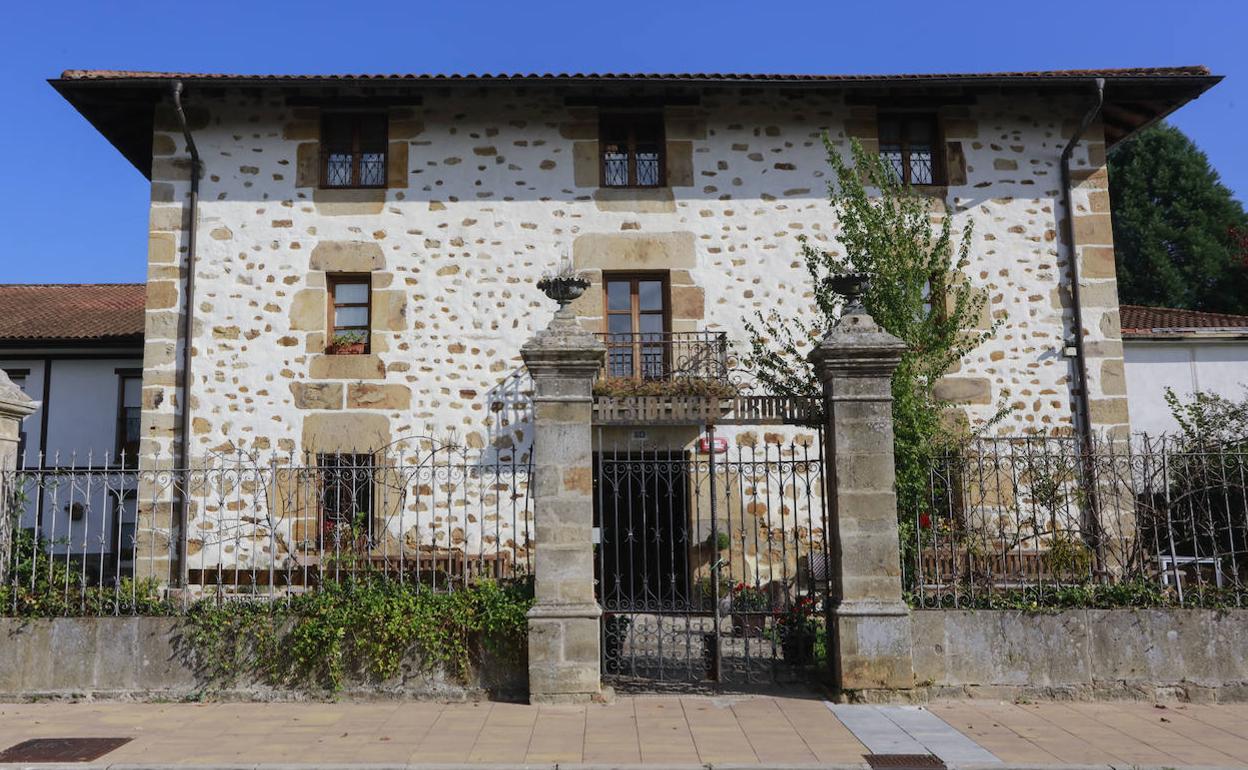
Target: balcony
{"x":682,"y":378}
{"x":666,"y":356}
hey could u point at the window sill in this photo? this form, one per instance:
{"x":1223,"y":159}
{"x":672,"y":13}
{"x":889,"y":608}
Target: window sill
{"x":346,"y":366}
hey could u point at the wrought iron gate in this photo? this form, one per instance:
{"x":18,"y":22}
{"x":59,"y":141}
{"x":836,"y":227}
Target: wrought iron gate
{"x":712,"y":561}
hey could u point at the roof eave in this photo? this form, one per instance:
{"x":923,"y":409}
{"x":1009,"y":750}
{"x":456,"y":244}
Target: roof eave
{"x":131,"y":133}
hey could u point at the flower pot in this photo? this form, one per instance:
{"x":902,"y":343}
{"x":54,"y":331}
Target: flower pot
{"x":749,"y":624}
{"x":798,"y":647}
{"x":346,"y":349}
{"x":710,"y":657}
{"x":615,"y":631}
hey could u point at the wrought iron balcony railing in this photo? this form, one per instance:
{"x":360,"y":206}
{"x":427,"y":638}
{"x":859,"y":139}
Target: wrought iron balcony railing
{"x":659,"y":356}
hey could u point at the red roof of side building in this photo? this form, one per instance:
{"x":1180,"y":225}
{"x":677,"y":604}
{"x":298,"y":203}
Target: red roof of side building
{"x":1139,"y":321}
{"x":71,"y":312}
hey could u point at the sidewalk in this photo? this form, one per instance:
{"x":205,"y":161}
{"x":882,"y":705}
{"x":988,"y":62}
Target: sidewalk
{"x":653,"y":731}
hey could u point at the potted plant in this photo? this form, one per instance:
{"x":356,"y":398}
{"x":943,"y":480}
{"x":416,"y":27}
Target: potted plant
{"x":563,"y":287}
{"x":347,"y":343}
{"x":797,"y":627}
{"x":614,"y":631}
{"x":750,"y":607}
{"x":710,"y":656}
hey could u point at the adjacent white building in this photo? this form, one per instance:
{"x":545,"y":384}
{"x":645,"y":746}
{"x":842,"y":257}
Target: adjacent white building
{"x":77,"y":349}
{"x":1182,"y":350}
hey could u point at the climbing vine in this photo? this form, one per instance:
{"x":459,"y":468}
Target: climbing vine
{"x":356,"y":629}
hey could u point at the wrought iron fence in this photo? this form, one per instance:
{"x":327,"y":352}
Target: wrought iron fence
{"x":103,"y":537}
{"x":1043,"y":514}
{"x":657,"y":356}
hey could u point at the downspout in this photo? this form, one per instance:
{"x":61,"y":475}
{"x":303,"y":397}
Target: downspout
{"x":188,"y":326}
{"x":1083,"y":416}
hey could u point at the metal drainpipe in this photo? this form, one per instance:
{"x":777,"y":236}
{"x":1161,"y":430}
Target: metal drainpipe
{"x":188,"y":326}
{"x":1083,"y":418}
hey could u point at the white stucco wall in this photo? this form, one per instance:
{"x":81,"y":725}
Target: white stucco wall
{"x":1185,"y":366}
{"x":78,"y":516}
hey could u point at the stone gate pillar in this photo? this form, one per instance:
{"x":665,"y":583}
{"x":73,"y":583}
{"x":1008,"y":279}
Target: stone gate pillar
{"x":870,"y":622}
{"x":14,"y":406}
{"x":564,"y":660}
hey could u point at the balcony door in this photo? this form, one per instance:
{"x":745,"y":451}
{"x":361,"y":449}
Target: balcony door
{"x":638,"y":322}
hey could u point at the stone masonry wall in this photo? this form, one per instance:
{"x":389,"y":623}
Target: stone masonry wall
{"x":489,"y":189}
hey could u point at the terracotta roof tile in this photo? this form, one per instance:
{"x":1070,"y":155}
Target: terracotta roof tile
{"x":1139,"y":321}
{"x":71,"y":311}
{"x":1129,"y":72}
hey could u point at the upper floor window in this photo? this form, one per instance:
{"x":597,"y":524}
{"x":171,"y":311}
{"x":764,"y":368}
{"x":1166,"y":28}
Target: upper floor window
{"x":909,"y":146}
{"x":349,"y":314}
{"x":638,"y":318}
{"x":632,"y":150}
{"x":353,"y":149}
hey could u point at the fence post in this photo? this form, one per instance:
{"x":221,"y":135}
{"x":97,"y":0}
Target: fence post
{"x":564,"y":659}
{"x":14,"y":407}
{"x":869,"y":621}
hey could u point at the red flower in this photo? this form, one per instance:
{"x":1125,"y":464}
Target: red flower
{"x":925,"y":521}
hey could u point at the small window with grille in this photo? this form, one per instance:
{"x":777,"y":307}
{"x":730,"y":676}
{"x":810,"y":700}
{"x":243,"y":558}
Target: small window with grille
{"x":632,"y":149}
{"x":346,"y":499}
{"x":353,"y":149}
{"x":910,"y":147}
{"x":349,"y":314}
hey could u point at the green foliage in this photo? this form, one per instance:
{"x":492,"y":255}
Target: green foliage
{"x":700,"y":387}
{"x":916,"y":293}
{"x":43,"y":585}
{"x":1209,"y":420}
{"x":1088,"y":595}
{"x":362,"y":629}
{"x":1178,"y":231}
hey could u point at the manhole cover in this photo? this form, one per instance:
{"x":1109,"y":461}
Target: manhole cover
{"x":61,"y":749}
{"x":905,"y":761}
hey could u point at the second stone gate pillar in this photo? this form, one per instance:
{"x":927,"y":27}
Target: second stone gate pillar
{"x":870,"y":621}
{"x":564,"y":659}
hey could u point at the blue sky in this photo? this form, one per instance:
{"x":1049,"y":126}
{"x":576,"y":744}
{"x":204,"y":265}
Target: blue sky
{"x":72,"y":209}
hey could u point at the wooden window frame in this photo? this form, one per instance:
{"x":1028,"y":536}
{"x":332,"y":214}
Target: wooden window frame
{"x":356,"y":118}
{"x":332,"y":282}
{"x":631,"y":119}
{"x":634,"y":277}
{"x":904,"y":119}
{"x":119,"y":442}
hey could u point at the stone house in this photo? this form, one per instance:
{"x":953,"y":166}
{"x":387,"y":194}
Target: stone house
{"x":366,"y":248}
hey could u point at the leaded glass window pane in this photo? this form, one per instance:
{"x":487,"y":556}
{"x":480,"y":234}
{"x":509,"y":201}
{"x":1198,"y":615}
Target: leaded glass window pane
{"x":338,"y":169}
{"x":908,"y":146}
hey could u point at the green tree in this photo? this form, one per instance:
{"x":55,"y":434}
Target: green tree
{"x":1178,"y":231}
{"x":884,"y":229}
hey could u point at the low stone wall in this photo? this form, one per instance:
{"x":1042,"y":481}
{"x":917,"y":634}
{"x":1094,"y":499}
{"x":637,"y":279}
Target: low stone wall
{"x":145,"y":658}
{"x":1196,"y":655}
